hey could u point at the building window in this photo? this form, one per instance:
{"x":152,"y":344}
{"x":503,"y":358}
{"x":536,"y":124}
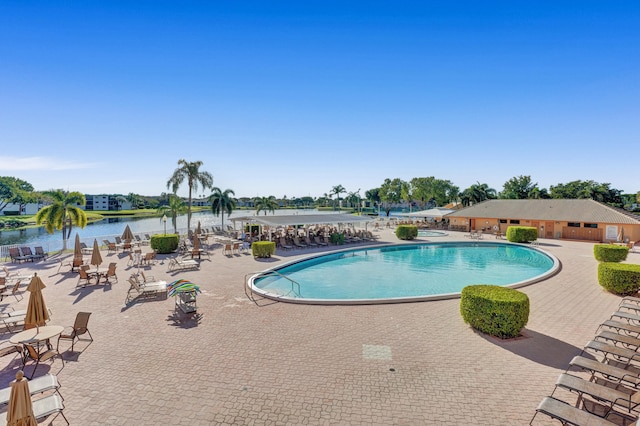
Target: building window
{"x":573,"y":224}
{"x":503,"y":220}
{"x":590,"y":225}
{"x":514,"y":221}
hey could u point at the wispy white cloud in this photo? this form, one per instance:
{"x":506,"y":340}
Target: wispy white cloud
{"x":41,"y":164}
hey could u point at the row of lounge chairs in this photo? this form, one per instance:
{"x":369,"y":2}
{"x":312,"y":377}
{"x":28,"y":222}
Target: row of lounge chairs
{"x":42,"y":407}
{"x":24,"y":254}
{"x":605,"y":376}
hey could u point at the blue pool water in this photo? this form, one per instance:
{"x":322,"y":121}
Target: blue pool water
{"x":405,"y":272}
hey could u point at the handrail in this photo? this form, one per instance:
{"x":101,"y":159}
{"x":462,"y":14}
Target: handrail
{"x":261,"y":274}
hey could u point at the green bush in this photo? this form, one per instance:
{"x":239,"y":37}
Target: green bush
{"x":610,"y":252}
{"x":263,"y":248}
{"x":337,"y":239}
{"x":498,"y":311}
{"x":619,"y":278}
{"x":522,"y":234}
{"x":165,"y":243}
{"x":406,"y":232}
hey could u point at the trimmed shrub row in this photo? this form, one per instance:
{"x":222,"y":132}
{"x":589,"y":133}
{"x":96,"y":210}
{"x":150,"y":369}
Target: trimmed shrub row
{"x":263,"y":248}
{"x":164,"y":243}
{"x":619,"y":278}
{"x":610,"y":252}
{"x":522,"y":234}
{"x":406,"y":232}
{"x":498,"y":311}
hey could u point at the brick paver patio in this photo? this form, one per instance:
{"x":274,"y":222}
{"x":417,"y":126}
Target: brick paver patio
{"x":270,"y":363}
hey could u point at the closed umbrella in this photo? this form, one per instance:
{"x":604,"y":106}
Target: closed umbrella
{"x":37,"y":313}
{"x":20,"y":409}
{"x":96,"y":257}
{"x":621,"y":235}
{"x":77,"y":248}
{"x":127,"y":235}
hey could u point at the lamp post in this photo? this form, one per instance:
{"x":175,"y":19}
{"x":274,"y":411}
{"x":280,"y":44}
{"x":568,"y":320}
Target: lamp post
{"x":164,"y":220}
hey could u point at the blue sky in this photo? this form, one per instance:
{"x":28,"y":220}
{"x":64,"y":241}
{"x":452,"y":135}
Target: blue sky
{"x":293,"y":98}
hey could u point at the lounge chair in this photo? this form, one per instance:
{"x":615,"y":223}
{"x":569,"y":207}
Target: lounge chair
{"x":27,"y":253}
{"x":44,"y":407}
{"x":40,"y":253}
{"x":310,"y":243}
{"x":284,"y":245}
{"x":13,"y":291}
{"x":297,"y":243}
{"x":607,"y":371}
{"x":86,"y":250}
{"x":177,"y":263}
{"x":568,"y":414}
{"x":603,"y":394}
{"x":79,"y":328}
{"x":38,"y":385}
{"x":319,"y":242}
{"x":152,"y":289}
{"x":15,"y":255}
{"x":7,"y":348}
{"x":33,"y":354}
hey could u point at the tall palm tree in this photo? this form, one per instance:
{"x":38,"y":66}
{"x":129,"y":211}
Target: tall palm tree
{"x":176,"y":207}
{"x":222,"y":202}
{"x":338,"y":189}
{"x":189,"y":170}
{"x":63,"y":213}
{"x":265,"y":203}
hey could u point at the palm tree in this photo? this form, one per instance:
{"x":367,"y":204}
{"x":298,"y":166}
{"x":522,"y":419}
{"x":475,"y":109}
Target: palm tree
{"x":338,"y":189}
{"x":176,"y":207}
{"x":63,"y":213}
{"x":189,"y":170}
{"x":221,"y":202}
{"x":265,"y":203}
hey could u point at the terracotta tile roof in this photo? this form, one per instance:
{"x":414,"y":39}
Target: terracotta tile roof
{"x":583,"y":210}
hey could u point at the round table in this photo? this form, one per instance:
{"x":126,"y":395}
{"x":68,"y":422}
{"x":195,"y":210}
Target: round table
{"x":34,"y":335}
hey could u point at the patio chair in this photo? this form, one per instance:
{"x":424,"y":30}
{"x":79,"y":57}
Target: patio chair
{"x":111,"y":247}
{"x":297,"y":243}
{"x":310,"y":243}
{"x":228,"y":249}
{"x":7,"y":348}
{"x":15,"y":255}
{"x":76,"y":262}
{"x":83,"y":277}
{"x":150,"y":258}
{"x":320,"y":242}
{"x":79,"y":328}
{"x":33,"y":354}
{"x":111,"y":272}
{"x":14,"y":291}
{"x":41,"y":253}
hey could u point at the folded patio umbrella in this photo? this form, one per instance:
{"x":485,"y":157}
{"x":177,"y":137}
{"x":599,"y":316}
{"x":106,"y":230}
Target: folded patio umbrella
{"x":127,"y":235}
{"x":96,"y":257}
{"x":77,"y":249}
{"x":37,"y":313}
{"x":20,"y":409}
{"x":180,"y":286}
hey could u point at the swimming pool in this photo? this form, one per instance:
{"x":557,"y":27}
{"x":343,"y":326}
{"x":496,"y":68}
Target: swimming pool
{"x":402,"y":273}
{"x":431,"y":233}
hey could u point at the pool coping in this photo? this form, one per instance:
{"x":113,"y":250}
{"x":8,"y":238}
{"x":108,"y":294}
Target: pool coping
{"x":555,"y":268}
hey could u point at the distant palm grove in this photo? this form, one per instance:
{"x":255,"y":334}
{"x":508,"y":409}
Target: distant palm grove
{"x":420,"y":192}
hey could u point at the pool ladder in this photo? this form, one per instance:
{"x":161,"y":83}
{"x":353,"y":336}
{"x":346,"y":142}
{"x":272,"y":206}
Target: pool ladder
{"x":295,"y":286}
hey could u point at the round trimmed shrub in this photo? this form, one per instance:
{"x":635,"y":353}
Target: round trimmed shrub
{"x":619,"y":278}
{"x":406,"y":232}
{"x":164,"y":243}
{"x":263,"y":248}
{"x":610,"y":252}
{"x":522,"y":234}
{"x":498,"y":311}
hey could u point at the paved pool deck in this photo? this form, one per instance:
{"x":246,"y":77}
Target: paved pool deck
{"x":246,"y":362}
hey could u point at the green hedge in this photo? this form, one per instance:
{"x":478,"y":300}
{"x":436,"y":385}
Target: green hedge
{"x":263,"y":248}
{"x":164,"y":243}
{"x":498,"y":311}
{"x":522,"y":234}
{"x":619,"y":278}
{"x":610,"y":252}
{"x":337,"y":239}
{"x":406,"y":232}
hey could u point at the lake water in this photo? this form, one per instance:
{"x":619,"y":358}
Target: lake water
{"x":109,"y":228}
